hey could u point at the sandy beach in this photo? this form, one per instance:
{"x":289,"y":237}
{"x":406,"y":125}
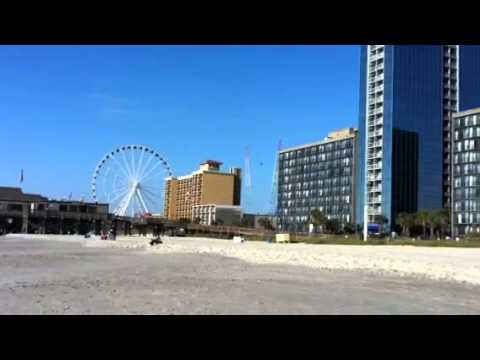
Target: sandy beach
{"x":451,"y":264}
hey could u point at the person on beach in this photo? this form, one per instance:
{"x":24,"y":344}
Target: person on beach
{"x":158,"y":229}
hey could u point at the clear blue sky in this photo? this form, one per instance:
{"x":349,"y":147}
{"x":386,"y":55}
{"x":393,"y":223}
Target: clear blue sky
{"x":63,"y":107}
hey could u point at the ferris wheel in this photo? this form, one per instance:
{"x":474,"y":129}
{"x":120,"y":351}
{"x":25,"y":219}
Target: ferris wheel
{"x":131,"y":179}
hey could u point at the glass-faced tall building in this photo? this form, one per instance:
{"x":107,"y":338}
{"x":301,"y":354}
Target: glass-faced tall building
{"x":317,"y":176}
{"x":407,"y":97}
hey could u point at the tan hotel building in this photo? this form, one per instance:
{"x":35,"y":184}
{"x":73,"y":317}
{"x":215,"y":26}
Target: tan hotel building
{"x":205,"y":186}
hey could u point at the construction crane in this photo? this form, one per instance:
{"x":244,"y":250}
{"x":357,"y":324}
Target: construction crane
{"x":274,"y":194}
{"x":248,"y":180}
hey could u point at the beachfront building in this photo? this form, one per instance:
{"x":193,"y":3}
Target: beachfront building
{"x":32,"y":213}
{"x":212,"y":214}
{"x":408,"y":95}
{"x":206,"y":186}
{"x":466,"y":172}
{"x":317,"y":176}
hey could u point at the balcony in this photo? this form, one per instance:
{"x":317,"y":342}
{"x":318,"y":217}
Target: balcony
{"x":374,"y":88}
{"x":449,"y":96}
{"x":376,"y":66}
{"x":374,"y":178}
{"x":375,"y":155}
{"x":375,"y":200}
{"x":377,"y":111}
{"x":375,"y":167}
{"x":375,"y":144}
{"x":377,"y":56}
{"x":374,"y":211}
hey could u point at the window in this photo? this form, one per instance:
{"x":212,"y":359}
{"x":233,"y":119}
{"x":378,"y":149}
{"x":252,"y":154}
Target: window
{"x":15,"y":207}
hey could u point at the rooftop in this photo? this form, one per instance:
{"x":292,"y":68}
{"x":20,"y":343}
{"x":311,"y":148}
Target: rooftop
{"x":332,"y":137}
{"x":212,"y":162}
{"x":467,"y":112}
{"x":16,"y":194}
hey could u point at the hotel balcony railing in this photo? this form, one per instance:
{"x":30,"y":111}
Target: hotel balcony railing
{"x":375,"y":122}
{"x":377,"y":111}
{"x":374,"y":178}
{"x":375,"y":144}
{"x":375,"y":166}
{"x":376,"y":155}
{"x":376,"y":67}
{"x":375,"y":100}
{"x":375,"y":211}
{"x":375,"y":200}
{"x":377,"y":56}
{"x":375,"y":189}
{"x":373,"y":87}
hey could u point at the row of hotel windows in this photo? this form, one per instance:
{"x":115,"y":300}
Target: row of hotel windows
{"x":467,"y":169}
{"x":337,"y":198}
{"x":341,"y":201}
{"x":306,"y":214}
{"x":345,"y":218}
{"x":333,"y":146}
{"x":469,"y":180}
{"x":467,"y":121}
{"x":467,"y":205}
{"x":467,"y":145}
{"x":465,"y":193}
{"x":346,"y":162}
{"x":467,"y":133}
{"x":347,"y":153}
{"x":313,"y":203}
{"x":334,"y":184}
{"x":321,"y":174}
{"x":468,"y":218}
{"x":471,"y":156}
{"x":325,"y":176}
{"x":328,"y":182}
{"x":314,"y":194}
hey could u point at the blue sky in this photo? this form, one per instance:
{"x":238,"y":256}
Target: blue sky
{"x":63,"y":107}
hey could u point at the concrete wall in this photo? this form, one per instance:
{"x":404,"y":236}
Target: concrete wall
{"x":170,"y":199}
{"x":217,"y":189}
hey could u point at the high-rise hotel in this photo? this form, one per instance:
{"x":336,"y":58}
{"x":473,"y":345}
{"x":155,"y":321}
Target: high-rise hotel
{"x":408,"y":95}
{"x":317,"y":176}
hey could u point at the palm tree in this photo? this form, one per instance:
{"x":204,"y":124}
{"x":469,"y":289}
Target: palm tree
{"x":442,"y":220}
{"x":266,"y":223}
{"x":317,"y":218}
{"x":402,"y":220}
{"x":410,"y":218}
{"x":422,"y":218}
{"x":332,"y":226}
{"x":431,"y":221}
